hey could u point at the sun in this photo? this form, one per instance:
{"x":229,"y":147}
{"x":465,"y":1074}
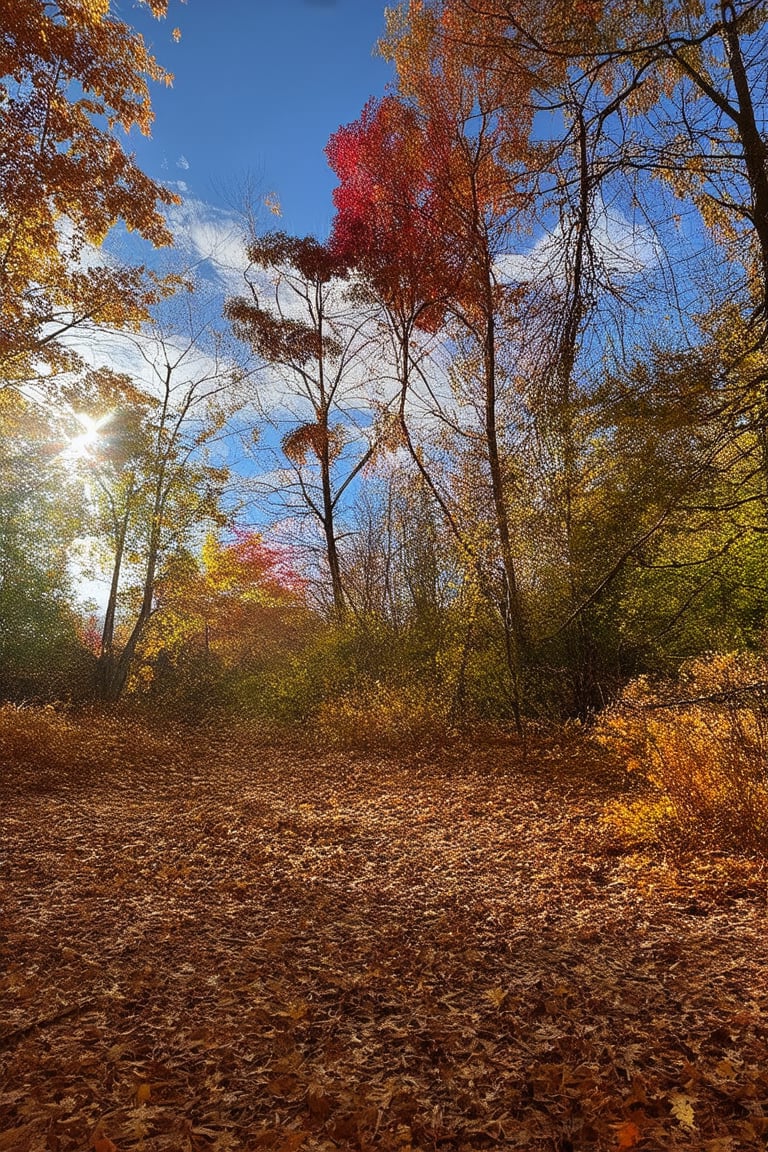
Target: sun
{"x":81,"y":447}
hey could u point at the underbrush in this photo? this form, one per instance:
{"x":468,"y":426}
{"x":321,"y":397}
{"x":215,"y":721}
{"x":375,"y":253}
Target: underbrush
{"x":701,"y":746}
{"x":375,"y":715}
{"x":46,"y":746}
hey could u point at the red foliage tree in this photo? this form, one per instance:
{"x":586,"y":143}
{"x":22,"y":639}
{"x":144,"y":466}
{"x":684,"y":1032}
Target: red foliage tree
{"x":433,"y":184}
{"x":390,"y":215}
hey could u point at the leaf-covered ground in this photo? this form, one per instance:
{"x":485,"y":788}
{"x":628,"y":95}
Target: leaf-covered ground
{"x":244,"y":948}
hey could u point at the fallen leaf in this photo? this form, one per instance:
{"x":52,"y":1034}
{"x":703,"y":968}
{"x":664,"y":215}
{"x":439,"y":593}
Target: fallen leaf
{"x":104,"y":1144}
{"x":13,"y":1138}
{"x":319,"y":1102}
{"x":628,"y":1134}
{"x":291,"y":1141}
{"x":682,"y":1110}
{"x":143,"y":1093}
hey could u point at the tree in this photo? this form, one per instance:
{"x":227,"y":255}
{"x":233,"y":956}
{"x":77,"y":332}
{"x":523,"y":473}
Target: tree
{"x":672,"y":91}
{"x":72,"y":75}
{"x":388,"y":227}
{"x":315,"y":340}
{"x":155,"y":474}
{"x":231,"y":610}
{"x":41,"y":515}
{"x":433,"y":185}
{"x":667,"y":90}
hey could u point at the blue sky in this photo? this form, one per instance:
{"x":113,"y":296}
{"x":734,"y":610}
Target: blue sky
{"x":259,"y":87}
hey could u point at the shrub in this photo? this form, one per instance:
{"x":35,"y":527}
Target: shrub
{"x":702,"y":746}
{"x":377,"y":714}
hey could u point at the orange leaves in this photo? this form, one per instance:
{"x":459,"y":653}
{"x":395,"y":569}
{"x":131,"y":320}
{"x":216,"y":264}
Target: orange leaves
{"x":421,"y":958}
{"x":701,"y":746}
{"x":100,"y":1142}
{"x":250,"y":567}
{"x":71,"y":164}
{"x":104,"y":1144}
{"x":628,"y":1135}
{"x":319,"y":1103}
{"x":280,"y":1139}
{"x":318,"y":438}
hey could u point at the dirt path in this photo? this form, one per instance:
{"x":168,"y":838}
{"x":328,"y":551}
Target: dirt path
{"x":275,"y":950}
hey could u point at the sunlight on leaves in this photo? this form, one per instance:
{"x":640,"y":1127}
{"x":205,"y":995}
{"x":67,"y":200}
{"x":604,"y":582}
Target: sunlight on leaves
{"x":682,"y":1109}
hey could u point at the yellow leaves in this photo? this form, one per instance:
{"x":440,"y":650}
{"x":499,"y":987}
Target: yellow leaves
{"x":497,"y":996}
{"x":94,"y":11}
{"x":143,"y":1093}
{"x":380,"y":714}
{"x":701,"y":745}
{"x":682,"y":1110}
{"x":272,"y":202}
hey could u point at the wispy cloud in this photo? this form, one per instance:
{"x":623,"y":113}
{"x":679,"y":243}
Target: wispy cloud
{"x":620,"y":250}
{"x":210,"y":240}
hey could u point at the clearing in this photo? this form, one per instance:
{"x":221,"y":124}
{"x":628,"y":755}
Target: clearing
{"x":240,"y":948}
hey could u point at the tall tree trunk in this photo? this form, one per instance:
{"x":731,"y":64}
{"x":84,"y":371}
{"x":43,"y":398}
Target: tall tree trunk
{"x":106,"y":661}
{"x":752,"y":141}
{"x":121,"y":664}
{"x":329,"y":529}
{"x":586,"y":691}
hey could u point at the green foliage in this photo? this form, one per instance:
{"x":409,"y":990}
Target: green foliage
{"x":41,"y":651}
{"x":291,"y":690}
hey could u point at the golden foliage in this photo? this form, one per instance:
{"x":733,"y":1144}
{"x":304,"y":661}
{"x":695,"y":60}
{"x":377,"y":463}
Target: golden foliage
{"x":71,"y":76}
{"x":315,"y":438}
{"x":383,"y":715}
{"x":60,"y":746}
{"x":702,"y":748}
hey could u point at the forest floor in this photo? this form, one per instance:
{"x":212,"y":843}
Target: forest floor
{"x":232,"y":948}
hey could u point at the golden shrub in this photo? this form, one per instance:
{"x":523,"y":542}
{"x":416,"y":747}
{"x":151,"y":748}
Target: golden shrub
{"x":701,"y":744}
{"x":382,"y":715}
